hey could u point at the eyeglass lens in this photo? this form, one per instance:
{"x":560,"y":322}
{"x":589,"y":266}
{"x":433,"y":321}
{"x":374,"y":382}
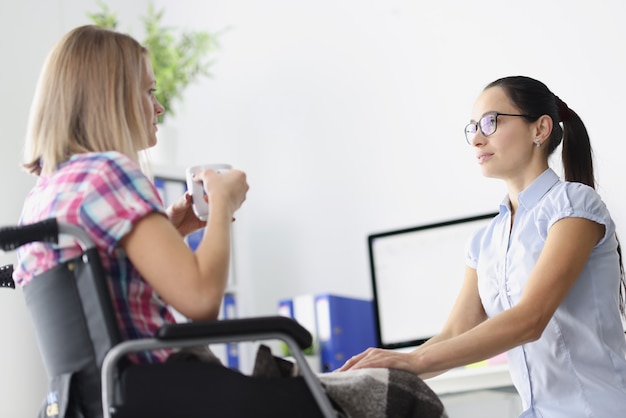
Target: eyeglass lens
{"x":487,"y":123}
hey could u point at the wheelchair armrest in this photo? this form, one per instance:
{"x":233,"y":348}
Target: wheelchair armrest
{"x":233,"y":327}
{"x":227,"y":330}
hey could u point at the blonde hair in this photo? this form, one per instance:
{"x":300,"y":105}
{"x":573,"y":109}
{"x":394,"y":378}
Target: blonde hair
{"x":87,"y":100}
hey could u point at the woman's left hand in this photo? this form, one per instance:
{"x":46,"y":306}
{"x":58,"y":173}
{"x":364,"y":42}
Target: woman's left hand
{"x":181,"y":214}
{"x":379,"y":358}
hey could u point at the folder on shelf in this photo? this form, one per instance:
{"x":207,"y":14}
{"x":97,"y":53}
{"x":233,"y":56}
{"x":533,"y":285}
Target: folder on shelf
{"x":345,"y":327}
{"x":285,"y":308}
{"x":194,"y":239}
{"x":302,"y":309}
{"x":229,"y":311}
{"x":304,"y":312}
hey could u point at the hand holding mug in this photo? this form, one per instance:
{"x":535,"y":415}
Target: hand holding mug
{"x":232,"y":186}
{"x":196,"y":188}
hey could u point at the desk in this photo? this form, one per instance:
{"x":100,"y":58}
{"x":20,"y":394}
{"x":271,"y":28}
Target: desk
{"x":471,"y":379}
{"x":478,"y":392}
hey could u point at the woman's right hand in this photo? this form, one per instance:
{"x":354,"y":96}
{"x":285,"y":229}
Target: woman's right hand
{"x":227,"y":188}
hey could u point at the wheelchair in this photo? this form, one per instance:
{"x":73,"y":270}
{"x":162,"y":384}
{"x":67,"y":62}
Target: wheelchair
{"x":87,"y":361}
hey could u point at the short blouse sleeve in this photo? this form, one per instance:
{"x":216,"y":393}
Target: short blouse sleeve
{"x":573,"y":200}
{"x":121,"y":195}
{"x":473,"y":248}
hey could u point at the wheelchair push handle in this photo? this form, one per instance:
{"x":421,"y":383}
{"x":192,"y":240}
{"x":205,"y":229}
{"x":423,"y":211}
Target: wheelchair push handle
{"x":12,"y":237}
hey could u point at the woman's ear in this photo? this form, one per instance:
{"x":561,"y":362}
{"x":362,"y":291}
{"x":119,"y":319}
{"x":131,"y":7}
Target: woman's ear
{"x":543,"y":127}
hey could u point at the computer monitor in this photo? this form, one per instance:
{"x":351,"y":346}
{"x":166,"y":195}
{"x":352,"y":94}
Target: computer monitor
{"x":416,"y":276}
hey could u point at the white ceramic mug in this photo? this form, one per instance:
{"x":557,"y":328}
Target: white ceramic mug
{"x":196,"y":188}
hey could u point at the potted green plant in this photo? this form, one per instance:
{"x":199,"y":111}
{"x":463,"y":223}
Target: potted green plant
{"x":178,"y":57}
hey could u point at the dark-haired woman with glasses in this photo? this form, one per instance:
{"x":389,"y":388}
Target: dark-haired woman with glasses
{"x":544,"y":280}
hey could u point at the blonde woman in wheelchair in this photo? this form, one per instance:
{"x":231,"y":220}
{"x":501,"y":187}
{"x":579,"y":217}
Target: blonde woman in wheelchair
{"x":93,"y":113}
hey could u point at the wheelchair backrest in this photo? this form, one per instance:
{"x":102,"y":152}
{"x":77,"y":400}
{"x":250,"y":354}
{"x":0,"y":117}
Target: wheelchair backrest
{"x":73,"y":317}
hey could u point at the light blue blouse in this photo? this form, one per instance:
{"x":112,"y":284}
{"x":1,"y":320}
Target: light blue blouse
{"x":578,"y":366}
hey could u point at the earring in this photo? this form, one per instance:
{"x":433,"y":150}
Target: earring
{"x":538,"y":142}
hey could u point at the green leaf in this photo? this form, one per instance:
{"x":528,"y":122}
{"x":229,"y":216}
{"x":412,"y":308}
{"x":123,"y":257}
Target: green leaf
{"x":105,"y":18}
{"x":178,"y":57}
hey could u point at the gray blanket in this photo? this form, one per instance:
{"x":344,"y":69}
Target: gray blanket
{"x":364,"y":393}
{"x":381,"y":393}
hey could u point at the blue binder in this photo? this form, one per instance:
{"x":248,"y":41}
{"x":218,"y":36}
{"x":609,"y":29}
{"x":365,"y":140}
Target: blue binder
{"x":232,"y":349}
{"x":302,"y":309}
{"x":194,"y":239}
{"x":345,"y":327}
{"x":285,"y":308}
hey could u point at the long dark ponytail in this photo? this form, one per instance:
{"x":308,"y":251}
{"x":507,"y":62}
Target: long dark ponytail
{"x":533,"y":97}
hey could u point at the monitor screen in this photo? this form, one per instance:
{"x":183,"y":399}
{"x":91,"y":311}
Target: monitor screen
{"x":416,"y":276}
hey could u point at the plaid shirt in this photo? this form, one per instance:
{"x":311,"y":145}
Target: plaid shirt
{"x":105,"y":194}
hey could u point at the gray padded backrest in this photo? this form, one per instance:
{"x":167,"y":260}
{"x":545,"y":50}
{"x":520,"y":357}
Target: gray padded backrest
{"x":74,"y":324}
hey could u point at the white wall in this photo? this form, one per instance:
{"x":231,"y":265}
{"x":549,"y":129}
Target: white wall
{"x":346,"y":115}
{"x":24,"y":39}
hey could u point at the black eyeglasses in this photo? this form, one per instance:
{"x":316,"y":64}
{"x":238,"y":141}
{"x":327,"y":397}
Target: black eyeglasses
{"x":487,"y":124}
